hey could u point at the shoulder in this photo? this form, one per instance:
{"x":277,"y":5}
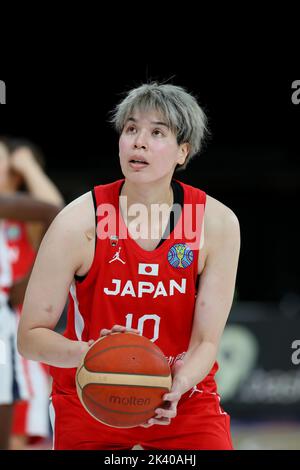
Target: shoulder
{"x":221,"y":223}
{"x":216,"y":210}
{"x":77,"y":219}
{"x":78,"y":205}
{"x":80,"y":210}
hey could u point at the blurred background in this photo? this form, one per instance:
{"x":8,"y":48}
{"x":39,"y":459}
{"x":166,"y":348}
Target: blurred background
{"x":250,"y":163}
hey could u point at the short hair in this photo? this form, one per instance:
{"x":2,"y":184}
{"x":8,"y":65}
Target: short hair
{"x":183,"y":114}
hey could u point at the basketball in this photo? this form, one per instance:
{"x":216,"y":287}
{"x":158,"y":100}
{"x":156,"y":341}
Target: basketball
{"x":122,"y":379}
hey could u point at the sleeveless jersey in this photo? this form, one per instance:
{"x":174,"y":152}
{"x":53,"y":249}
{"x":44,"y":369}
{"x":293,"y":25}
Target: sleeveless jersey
{"x":21,"y":253}
{"x":5,"y":266}
{"x":153,"y":291}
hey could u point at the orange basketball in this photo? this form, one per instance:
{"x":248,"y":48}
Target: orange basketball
{"x":122,"y":379}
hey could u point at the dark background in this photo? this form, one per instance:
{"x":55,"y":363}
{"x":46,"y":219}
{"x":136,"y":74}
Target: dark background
{"x":250,"y":162}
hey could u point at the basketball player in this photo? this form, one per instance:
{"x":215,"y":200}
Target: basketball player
{"x":126,"y":274}
{"x":13,"y":386}
{"x":24,"y":221}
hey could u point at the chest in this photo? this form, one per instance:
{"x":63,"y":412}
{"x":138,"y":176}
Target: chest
{"x":147,"y":244}
{"x":150,"y":245}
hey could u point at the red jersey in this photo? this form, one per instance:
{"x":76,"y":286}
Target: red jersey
{"x":21,"y":252}
{"x":153,"y":291}
{"x":6,"y":280}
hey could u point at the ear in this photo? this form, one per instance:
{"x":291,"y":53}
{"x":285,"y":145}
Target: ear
{"x":184,"y":150}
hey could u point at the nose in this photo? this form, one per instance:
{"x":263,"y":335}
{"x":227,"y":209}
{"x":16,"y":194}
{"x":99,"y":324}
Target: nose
{"x":140,"y":141}
{"x":136,"y":146}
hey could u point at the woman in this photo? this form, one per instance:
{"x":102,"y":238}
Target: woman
{"x":21,"y":171}
{"x":161,"y":128}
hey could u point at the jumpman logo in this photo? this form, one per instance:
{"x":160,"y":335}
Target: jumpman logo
{"x":194,"y":390}
{"x":117,"y":256}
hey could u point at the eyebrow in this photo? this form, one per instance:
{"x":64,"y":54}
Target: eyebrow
{"x":156,"y":123}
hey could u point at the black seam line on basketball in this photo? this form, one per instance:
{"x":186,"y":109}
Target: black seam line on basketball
{"x":125,"y":346}
{"x":119,"y":411}
{"x":76,"y":377}
{"x":124,"y":385}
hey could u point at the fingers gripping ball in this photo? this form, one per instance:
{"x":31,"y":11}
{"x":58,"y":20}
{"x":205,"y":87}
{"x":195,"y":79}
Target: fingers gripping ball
{"x":122,"y":379}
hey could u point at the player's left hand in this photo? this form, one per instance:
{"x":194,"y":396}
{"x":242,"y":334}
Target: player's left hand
{"x":165,"y":413}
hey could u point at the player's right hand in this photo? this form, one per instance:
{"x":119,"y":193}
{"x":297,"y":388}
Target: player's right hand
{"x":118,"y":329}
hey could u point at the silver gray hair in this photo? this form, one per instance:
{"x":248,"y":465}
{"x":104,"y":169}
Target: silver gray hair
{"x":179,"y":108}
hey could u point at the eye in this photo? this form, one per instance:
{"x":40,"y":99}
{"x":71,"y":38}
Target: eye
{"x":157,"y":132}
{"x":130,"y":129}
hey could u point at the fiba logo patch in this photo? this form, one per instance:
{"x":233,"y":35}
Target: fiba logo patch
{"x":13,"y":232}
{"x":180,"y":256}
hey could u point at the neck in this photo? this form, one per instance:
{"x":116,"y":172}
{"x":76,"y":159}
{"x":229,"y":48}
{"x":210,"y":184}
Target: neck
{"x":148,"y":194}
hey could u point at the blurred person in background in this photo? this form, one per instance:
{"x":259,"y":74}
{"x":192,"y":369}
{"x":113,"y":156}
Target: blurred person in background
{"x":24,"y":221}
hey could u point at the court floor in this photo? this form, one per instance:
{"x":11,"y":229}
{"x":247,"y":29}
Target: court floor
{"x":266,"y":436}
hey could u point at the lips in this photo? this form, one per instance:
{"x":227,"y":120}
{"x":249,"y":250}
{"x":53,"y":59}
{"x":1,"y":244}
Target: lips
{"x":136,"y":166}
{"x":138,"y":159}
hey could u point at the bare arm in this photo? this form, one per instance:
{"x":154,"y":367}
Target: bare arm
{"x":27,"y":209}
{"x":215,"y":296}
{"x":37,"y":181}
{"x":39,"y":186}
{"x":213,"y":304}
{"x":62,"y":253}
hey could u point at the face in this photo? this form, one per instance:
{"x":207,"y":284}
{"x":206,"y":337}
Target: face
{"x":148,"y":149}
{"x":4,"y":167}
